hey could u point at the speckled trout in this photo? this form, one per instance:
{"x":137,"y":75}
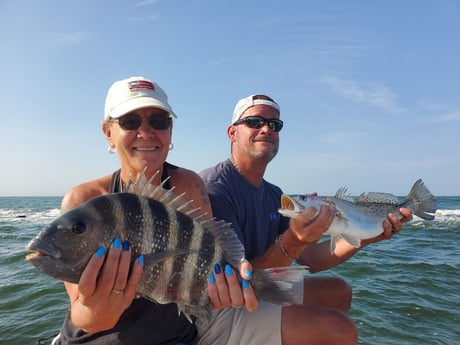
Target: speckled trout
{"x":179,"y":245}
{"x":357,"y":220}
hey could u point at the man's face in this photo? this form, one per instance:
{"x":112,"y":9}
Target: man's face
{"x":259,"y":143}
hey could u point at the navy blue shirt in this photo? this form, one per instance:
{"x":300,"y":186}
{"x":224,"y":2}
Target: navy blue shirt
{"x":253,"y":211}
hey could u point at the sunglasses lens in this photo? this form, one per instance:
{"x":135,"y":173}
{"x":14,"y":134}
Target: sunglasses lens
{"x":159,"y":122}
{"x":254,"y":122}
{"x":275,"y":125}
{"x":258,"y":122}
{"x":130,"y":122}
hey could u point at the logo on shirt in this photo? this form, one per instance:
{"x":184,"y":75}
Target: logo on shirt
{"x":274,"y":215}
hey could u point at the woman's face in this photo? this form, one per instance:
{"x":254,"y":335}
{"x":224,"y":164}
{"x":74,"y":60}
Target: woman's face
{"x":138,"y":144}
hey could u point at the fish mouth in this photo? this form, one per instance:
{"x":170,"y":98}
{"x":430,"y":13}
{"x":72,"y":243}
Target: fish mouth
{"x":287,"y":203}
{"x":40,"y":249}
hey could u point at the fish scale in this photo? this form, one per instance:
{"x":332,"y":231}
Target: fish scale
{"x":180,"y":247}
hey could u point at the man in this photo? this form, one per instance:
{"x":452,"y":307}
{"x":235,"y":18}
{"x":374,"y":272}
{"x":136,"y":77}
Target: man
{"x":240,"y":195}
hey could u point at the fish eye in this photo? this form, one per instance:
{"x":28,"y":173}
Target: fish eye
{"x":78,"y":227}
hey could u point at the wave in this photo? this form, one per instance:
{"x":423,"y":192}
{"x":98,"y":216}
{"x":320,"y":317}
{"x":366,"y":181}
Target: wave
{"x":28,"y":216}
{"x":441,"y":213}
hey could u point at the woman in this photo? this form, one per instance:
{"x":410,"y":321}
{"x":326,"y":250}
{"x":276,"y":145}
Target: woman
{"x":103,"y":305}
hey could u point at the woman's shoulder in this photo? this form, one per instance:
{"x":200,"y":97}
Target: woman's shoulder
{"x":189,"y":182}
{"x":85,"y":191}
{"x":180,"y":174}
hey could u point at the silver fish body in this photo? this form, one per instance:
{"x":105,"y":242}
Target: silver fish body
{"x":361,"y":219}
{"x":179,"y":248}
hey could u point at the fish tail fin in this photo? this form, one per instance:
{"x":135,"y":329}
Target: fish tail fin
{"x":202,"y":313}
{"x":424,"y":203}
{"x":279,"y":285}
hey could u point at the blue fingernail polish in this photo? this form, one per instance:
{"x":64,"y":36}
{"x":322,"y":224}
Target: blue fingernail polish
{"x":228,"y":270}
{"x":212,"y":279}
{"x":140,"y":261}
{"x":217,"y":268}
{"x":125,"y":246}
{"x":117,"y":243}
{"x":244,"y":283}
{"x":248,"y":273}
{"x":100,"y":252}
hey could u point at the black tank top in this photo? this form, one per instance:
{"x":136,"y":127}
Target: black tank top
{"x":115,"y":185}
{"x":144,"y":322}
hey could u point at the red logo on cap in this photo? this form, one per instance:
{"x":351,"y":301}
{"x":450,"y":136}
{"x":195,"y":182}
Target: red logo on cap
{"x":140,"y":84}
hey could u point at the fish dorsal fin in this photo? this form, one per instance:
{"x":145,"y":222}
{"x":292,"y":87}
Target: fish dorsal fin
{"x":227,"y":237}
{"x":145,"y":187}
{"x":342,"y":194}
{"x":378,"y":198}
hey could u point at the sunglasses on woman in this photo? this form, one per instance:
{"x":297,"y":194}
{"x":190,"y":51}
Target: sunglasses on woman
{"x":133,"y":121}
{"x":258,"y":122}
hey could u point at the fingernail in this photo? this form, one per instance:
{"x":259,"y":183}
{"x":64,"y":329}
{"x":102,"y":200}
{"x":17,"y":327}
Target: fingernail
{"x":100,"y":252}
{"x":244,"y":283}
{"x":117,"y":243}
{"x":248,"y":273}
{"x":228,"y":270}
{"x":212,"y":279}
{"x":217,"y":268}
{"x":125,"y":246}
{"x":140,"y":261}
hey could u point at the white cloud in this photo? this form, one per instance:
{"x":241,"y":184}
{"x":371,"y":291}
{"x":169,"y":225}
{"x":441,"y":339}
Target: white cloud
{"x":146,"y":2}
{"x":368,"y":93}
{"x":453,"y":116}
{"x":69,"y":39}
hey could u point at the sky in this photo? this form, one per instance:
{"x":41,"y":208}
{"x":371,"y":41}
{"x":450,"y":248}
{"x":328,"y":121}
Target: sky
{"x":369,"y":90}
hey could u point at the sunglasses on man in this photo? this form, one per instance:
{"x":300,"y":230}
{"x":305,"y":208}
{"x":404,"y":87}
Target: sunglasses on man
{"x":258,"y":122}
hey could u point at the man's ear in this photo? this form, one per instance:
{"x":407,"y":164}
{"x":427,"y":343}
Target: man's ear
{"x":231,"y":132}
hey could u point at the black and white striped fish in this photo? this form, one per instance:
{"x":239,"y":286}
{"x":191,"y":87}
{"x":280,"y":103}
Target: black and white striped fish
{"x":180,"y":248}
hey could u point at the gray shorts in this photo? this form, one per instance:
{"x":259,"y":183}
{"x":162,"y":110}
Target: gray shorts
{"x":232,"y":326}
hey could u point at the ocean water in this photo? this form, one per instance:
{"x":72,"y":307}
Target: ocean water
{"x":405,"y":291}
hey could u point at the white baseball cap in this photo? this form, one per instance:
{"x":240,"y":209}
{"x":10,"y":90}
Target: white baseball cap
{"x":134,"y":93}
{"x":250,"y":101}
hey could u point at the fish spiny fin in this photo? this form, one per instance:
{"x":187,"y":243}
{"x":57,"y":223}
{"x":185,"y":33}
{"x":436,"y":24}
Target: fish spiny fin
{"x":195,"y":213}
{"x":342,"y":194}
{"x":177,"y":199}
{"x":145,"y":187}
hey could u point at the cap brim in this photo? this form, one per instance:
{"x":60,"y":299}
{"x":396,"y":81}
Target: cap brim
{"x":138,"y":103}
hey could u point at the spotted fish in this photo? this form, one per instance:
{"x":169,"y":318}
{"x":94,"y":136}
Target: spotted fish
{"x":362,"y":219}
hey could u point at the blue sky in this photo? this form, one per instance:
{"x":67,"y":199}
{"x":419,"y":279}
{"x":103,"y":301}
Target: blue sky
{"x":369,"y":90}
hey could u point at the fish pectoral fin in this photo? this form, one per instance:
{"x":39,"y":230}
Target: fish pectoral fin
{"x":334,"y":239}
{"x":352,"y":240}
{"x":155,"y":257}
{"x":287,"y":213}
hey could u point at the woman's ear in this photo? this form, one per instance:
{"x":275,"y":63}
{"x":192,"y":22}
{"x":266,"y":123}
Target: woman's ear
{"x":107,"y":130}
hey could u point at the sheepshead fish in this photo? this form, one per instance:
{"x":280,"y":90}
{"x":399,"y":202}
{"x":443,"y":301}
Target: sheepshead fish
{"x":180,"y":248}
{"x":362,"y":219}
